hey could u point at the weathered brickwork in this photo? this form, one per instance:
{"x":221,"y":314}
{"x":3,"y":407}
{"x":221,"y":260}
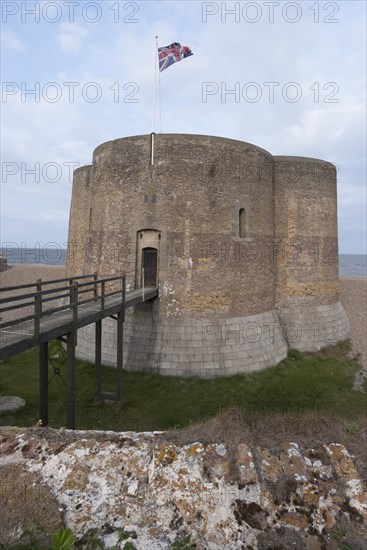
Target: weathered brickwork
{"x":246,"y":246}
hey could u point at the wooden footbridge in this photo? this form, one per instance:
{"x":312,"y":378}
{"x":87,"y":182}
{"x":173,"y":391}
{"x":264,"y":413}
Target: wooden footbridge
{"x":57,"y":309}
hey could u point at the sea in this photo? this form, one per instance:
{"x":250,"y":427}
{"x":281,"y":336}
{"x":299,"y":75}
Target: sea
{"x":353,"y":265}
{"x":350,"y":265}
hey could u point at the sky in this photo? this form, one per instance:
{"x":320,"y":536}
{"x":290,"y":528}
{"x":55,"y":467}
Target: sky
{"x":289,"y":77}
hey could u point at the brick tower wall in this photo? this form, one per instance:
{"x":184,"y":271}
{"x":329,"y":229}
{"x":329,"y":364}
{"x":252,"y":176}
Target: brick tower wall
{"x":216,"y":210}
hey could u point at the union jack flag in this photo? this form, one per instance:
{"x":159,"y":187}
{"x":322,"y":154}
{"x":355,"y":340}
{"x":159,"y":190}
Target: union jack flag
{"x":172,"y":53}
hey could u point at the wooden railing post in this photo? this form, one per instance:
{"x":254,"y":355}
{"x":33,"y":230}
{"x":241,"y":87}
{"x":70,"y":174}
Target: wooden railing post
{"x":37,"y":311}
{"x":120,"y":341}
{"x":103,"y":291}
{"x":98,"y":357}
{"x":70,"y":352}
{"x":123,"y":291}
{"x":95,"y":288}
{"x":71,"y":282}
{"x":43,"y":383}
{"x":74,"y":292}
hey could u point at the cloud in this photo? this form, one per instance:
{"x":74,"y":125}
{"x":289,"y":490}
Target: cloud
{"x":10,"y":41}
{"x":116,"y":54}
{"x":71,"y":37}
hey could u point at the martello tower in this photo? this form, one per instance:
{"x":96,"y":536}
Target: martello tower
{"x":241,"y":244}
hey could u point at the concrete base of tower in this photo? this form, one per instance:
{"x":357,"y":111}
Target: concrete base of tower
{"x":219,"y":347}
{"x":190,"y":346}
{"x":310,"y":327}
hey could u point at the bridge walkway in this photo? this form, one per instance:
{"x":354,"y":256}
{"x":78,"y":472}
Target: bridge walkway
{"x":57,"y":309}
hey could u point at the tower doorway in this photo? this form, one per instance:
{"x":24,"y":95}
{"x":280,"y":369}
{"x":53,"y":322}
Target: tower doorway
{"x":149,"y":263}
{"x":148,"y":244}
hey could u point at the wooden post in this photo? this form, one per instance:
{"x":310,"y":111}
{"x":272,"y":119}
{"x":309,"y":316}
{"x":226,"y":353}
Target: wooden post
{"x":120,"y":341}
{"x":120,"y":333}
{"x":75,"y":309}
{"x":43,"y":383}
{"x":70,"y":351}
{"x":70,"y":410}
{"x":71,"y":283}
{"x":37,"y":312}
{"x":95,"y":289}
{"x":98,"y":358}
{"x":103,"y":291}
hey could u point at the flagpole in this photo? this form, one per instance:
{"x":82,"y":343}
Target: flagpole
{"x":160,"y":102}
{"x":155,"y":81}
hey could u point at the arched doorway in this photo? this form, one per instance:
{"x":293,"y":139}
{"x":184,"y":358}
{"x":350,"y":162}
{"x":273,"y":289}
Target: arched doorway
{"x":149,"y":262}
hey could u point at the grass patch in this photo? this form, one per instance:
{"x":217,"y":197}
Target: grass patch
{"x":319,"y":382}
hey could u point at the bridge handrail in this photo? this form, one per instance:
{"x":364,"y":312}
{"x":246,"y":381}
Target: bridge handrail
{"x":14,"y":322}
{"x":34,"y":294}
{"x":54,"y":290}
{"x":72,"y":291}
{"x":49,"y":282}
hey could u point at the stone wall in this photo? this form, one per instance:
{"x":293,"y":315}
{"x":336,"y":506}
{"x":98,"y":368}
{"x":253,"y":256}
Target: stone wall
{"x":307,"y":287}
{"x":201,"y":347}
{"x":158,"y":491}
{"x":246,"y":246}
